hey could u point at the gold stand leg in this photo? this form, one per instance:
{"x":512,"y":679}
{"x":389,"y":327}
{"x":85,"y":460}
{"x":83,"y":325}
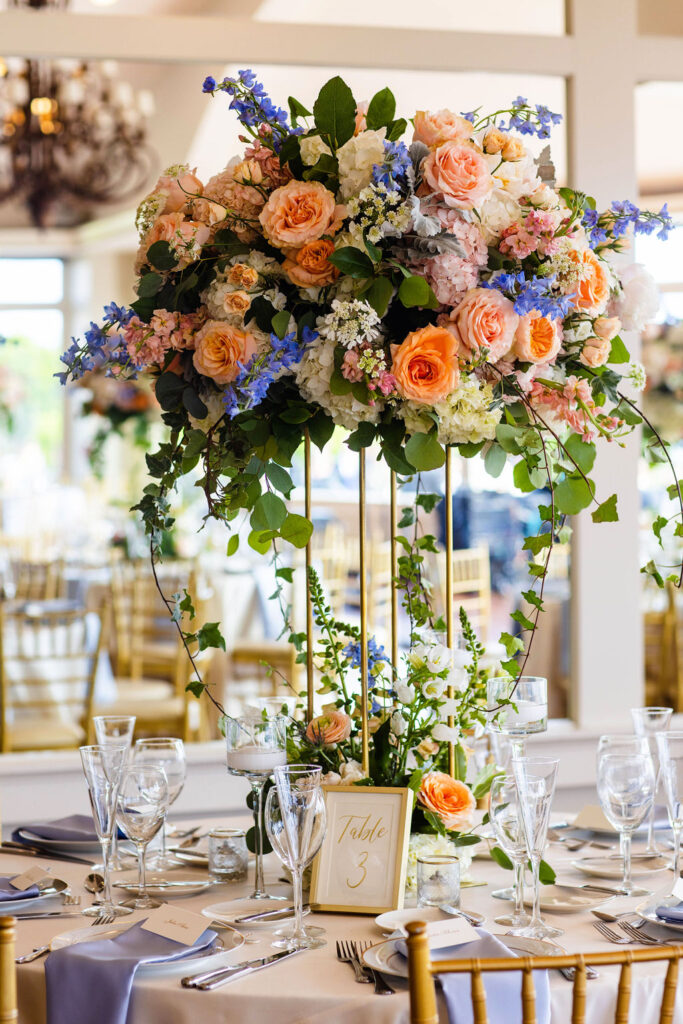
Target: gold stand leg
{"x":309,"y":605}
{"x":448,"y":498}
{"x":363,"y":583}
{"x":394,"y":591}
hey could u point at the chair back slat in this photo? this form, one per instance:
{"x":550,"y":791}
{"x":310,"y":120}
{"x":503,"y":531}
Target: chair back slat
{"x":624,"y":992}
{"x":579,"y":993}
{"x":9,"y":1013}
{"x":528,"y":994}
{"x":423,"y":1009}
{"x":478,"y":995}
{"x":666,"y":1015}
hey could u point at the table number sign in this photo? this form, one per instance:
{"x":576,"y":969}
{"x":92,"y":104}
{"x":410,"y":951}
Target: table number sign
{"x":361,"y":866}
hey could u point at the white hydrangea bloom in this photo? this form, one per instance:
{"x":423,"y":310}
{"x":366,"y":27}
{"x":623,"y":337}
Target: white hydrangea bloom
{"x":313,"y":374}
{"x":356,"y":159}
{"x":465,"y":416}
{"x":312,"y":148}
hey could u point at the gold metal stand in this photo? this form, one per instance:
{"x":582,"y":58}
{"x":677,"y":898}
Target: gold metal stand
{"x":448,"y":498}
{"x":394,"y":590}
{"x":363,"y":584}
{"x":309,"y":605}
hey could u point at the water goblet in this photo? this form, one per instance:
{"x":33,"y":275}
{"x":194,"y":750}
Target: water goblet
{"x":648,"y":722}
{"x":167,"y":753}
{"x":277,"y":834}
{"x":526,"y":714}
{"x":116,"y":730}
{"x":256,"y":745}
{"x":535,"y":778}
{"x":626,"y":790}
{"x":103,"y":767}
{"x":303,"y":823}
{"x":505,"y":815}
{"x":670,"y":748}
{"x":142,"y":807}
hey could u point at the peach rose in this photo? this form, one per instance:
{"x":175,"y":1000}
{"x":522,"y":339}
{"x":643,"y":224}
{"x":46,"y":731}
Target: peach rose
{"x":460,"y":172}
{"x":325,"y":730}
{"x":494,"y":140}
{"x":441,"y":126}
{"x":425,"y":365}
{"x":513,"y":149}
{"x":177,"y":189}
{"x":310,"y":266}
{"x":592,"y":291}
{"x":607,"y":327}
{"x":219,"y":348}
{"x":185,"y":236}
{"x":485,"y":319}
{"x":248,"y":172}
{"x":537,"y":339}
{"x":243,"y":275}
{"x":236,"y":302}
{"x":300,"y":212}
{"x":595,"y":353}
{"x":361,"y":123}
{"x":447,"y":797}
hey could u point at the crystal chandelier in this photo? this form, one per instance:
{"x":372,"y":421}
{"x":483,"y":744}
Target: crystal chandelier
{"x":72,"y":135}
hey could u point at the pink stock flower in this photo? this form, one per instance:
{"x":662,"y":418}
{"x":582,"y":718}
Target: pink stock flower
{"x":386,"y":382}
{"x":144,"y":346}
{"x":350,"y":369}
{"x":573,"y":404}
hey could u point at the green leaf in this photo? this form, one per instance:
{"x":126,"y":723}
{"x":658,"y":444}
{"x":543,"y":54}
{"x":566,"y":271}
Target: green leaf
{"x":572,"y":495}
{"x":482,"y":783}
{"x":414,"y":291}
{"x":296,"y":414}
{"x":279,"y":478}
{"x":362,"y":437}
{"x":285,"y":573}
{"x":494,"y":460}
{"x":522,"y":619}
{"x":195,"y":687}
{"x":582,"y":453}
{"x":657,"y":527}
{"x":280,"y":323}
{"x":194,"y":404}
{"x":296,"y":530}
{"x":468,"y":449}
{"x":381,"y":109}
{"x":233,"y":544}
{"x":424,"y":452}
{"x":428,"y":501}
{"x":379,"y":294}
{"x":169,"y":390}
{"x":546,"y":875}
{"x":320,"y":429}
{"x":339,"y":385}
{"x":506,"y":436}
{"x":651,"y":570}
{"x":335,"y":112}
{"x":520,"y":476}
{"x":149,"y":285}
{"x":269,"y":512}
{"x":353,"y":262}
{"x":394,"y":457}
{"x":396,"y":129}
{"x":537,"y":542}
{"x":162,"y":256}
{"x":501,"y":858}
{"x":618,"y":352}
{"x":672,"y":489}
{"x":607,"y":511}
{"x":260,"y":540}
{"x":210,"y":636}
{"x":512,"y":644}
{"x":296,"y":110}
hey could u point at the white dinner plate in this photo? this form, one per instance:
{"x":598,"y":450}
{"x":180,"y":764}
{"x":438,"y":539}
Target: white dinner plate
{"x":193,"y":858}
{"x":396,"y":920}
{"x":386,"y":958}
{"x":229,"y":940}
{"x":60,"y":845}
{"x":613,"y":867}
{"x":28,"y":903}
{"x":158,"y":885}
{"x":225,"y":913}
{"x":565,"y":899}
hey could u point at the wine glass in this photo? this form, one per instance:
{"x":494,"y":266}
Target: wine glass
{"x":277,"y":834}
{"x":103,"y":767}
{"x":670,"y":747}
{"x":626,"y":789}
{"x":535,"y":778}
{"x":505,"y":815}
{"x":528,"y":712}
{"x":648,"y":722}
{"x":116,"y":730}
{"x":302,"y":829}
{"x":256,"y":744}
{"x":167,"y":753}
{"x":142,"y":807}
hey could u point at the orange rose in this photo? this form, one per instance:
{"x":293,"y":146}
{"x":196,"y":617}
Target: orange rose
{"x":236,"y":302}
{"x":485,"y":319}
{"x":325,"y":730}
{"x":447,"y":797}
{"x":425,"y":365}
{"x":300,"y":212}
{"x":595,"y":353}
{"x":435,"y":128}
{"x":460,"y":172}
{"x":219,"y":348}
{"x":537,"y":339}
{"x":311,"y":266}
{"x":592,"y":291}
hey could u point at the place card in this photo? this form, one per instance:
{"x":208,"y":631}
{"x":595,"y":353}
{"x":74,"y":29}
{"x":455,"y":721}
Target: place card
{"x":677,"y":890}
{"x":452,"y":932}
{"x":592,"y":818}
{"x":31,"y":877}
{"x":176,"y":924}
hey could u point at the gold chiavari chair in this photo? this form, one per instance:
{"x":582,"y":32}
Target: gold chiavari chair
{"x":471,"y":586}
{"x":423,"y":1004}
{"x":48,"y":663}
{"x":663,"y":640}
{"x":39,"y":580}
{"x":9,"y":1014}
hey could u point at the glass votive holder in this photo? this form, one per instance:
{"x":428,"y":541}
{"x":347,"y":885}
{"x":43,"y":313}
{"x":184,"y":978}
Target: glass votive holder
{"x":228,"y":855}
{"x":438,"y":881}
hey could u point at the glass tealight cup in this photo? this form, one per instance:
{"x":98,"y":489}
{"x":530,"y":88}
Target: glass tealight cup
{"x":438,"y":881}
{"x":228,"y":855}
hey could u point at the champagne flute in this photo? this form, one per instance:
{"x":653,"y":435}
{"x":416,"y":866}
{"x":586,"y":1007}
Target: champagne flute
{"x":529,"y":695}
{"x":256,"y":744}
{"x":103,"y":767}
{"x":142,"y":807}
{"x":535,"y":778}
{"x":167,"y":753}
{"x":670,"y":746}
{"x":626,"y":789}
{"x":112,"y":730}
{"x":648,"y":722}
{"x":505,"y":814}
{"x":298,"y":786}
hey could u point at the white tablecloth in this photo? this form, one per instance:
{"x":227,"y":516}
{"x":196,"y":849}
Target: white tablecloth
{"x":313,"y":988}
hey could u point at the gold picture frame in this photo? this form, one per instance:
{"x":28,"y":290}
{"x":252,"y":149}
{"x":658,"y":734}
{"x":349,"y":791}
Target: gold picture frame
{"x":361,"y":866}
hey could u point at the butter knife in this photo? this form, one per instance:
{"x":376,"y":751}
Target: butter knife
{"x":44,"y":914}
{"x":270,"y":915}
{"x":37,"y":851}
{"x":212,"y":979}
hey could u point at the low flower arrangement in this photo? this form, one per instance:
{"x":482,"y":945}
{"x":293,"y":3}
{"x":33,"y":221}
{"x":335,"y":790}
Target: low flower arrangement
{"x":118,"y":405}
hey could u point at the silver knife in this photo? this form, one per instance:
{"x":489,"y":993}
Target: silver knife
{"x":611,"y":891}
{"x":37,"y":851}
{"x":270,"y":915}
{"x":212,"y":979}
{"x":47,"y":913}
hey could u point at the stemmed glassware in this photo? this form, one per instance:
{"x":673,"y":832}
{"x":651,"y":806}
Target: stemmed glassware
{"x":535,"y":778}
{"x":116,"y":730}
{"x":670,"y":747}
{"x":296,"y":821}
{"x":505,"y":814}
{"x":167,"y":753}
{"x":142,"y":807}
{"x":103,"y":767}
{"x":256,"y":745}
{"x":648,"y":722}
{"x":528,"y":712}
{"x":626,"y":789}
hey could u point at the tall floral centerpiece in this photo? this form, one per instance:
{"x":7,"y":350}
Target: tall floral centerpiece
{"x":424,"y":287}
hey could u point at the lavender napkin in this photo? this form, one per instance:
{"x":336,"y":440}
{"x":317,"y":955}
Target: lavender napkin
{"x":74,"y":828}
{"x":92,"y":981}
{"x":673,"y":914}
{"x":9,"y":893}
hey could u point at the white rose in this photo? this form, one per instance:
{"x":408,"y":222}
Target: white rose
{"x":519,"y":177}
{"x":356,"y":159}
{"x":498,"y":212}
{"x":405,"y":693}
{"x":351,"y":771}
{"x":331,"y":779}
{"x":433,"y":688}
{"x":398,"y":724}
{"x":312,"y":148}
{"x":445,"y":734}
{"x":639,"y":301}
{"x":582,"y":330}
{"x":438,"y":658}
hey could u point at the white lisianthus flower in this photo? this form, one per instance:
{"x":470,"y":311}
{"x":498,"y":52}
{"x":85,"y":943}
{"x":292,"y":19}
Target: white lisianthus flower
{"x":312,"y":148}
{"x":438,"y":658}
{"x":443,"y":733}
{"x":447,"y":708}
{"x":639,"y":301}
{"x":417,"y":655}
{"x":405,"y":693}
{"x":398,"y":724}
{"x":519,"y":178}
{"x":433,"y":688}
{"x":457,"y":678}
{"x":351,"y":771}
{"x":356,"y":159}
{"x":498,"y":212}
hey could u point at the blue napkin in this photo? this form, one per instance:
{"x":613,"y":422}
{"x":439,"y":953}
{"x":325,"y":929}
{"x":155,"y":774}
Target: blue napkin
{"x":9,"y":893}
{"x":673,"y":914}
{"x":76,"y":828}
{"x":92,"y":981}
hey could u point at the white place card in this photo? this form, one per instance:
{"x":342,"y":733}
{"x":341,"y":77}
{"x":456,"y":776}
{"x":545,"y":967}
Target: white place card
{"x":31,"y":877}
{"x":452,"y":932}
{"x":591,"y":817}
{"x":677,"y":890}
{"x":176,"y":924}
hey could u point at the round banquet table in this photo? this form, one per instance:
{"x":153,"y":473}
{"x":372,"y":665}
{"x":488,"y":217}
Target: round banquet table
{"x":313,"y":987}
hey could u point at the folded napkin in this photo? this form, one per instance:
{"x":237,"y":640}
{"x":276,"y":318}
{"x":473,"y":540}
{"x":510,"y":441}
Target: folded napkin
{"x":673,"y":914}
{"x":92,"y":981}
{"x":74,"y":828}
{"x":8,"y":892}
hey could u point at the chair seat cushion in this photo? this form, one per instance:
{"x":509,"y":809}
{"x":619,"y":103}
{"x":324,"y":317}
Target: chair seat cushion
{"x":143,"y":690}
{"x":43,"y":734}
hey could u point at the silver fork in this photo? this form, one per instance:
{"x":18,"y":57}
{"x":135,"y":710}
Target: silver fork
{"x":638,"y":936}
{"x":382,"y":988}
{"x":609,"y":934}
{"x":346,"y":955}
{"x":104,"y":919}
{"x":69,"y":900}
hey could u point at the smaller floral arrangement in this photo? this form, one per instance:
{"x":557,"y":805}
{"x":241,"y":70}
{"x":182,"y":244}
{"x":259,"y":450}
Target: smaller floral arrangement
{"x":117,"y":404}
